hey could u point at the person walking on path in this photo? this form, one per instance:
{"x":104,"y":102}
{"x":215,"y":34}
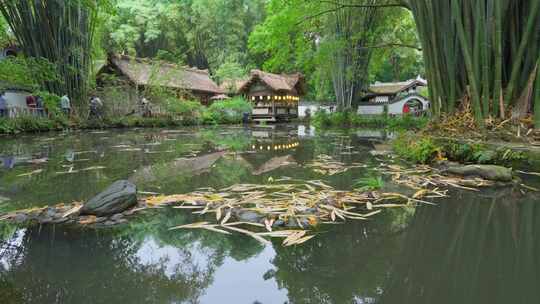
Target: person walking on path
{"x":146,"y":111}
{"x":40,"y":105}
{"x":3,"y":105}
{"x":96,"y":107}
{"x":31,"y":103}
{"x":65,"y":105}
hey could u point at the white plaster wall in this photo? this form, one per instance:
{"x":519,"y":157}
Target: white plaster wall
{"x":371,"y":109}
{"x":393,"y":108}
{"x":16,"y":99}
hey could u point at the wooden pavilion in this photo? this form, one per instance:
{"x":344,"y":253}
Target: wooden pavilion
{"x":274,"y":97}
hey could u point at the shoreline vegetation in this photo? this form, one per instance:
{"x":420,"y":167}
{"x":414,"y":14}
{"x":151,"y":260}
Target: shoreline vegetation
{"x":192,"y":113}
{"x":181,"y":113}
{"x":346,"y":119}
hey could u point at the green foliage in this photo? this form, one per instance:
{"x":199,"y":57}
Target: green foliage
{"x":399,"y":59}
{"x":230,"y":111}
{"x":334,"y":47}
{"x":322,"y":119}
{"x":52,"y":104}
{"x":190,"y":112}
{"x":369,"y":183}
{"x":230,"y":70}
{"x":26,"y":73}
{"x":202,"y":33}
{"x":62,"y":33}
{"x":5,"y":37}
{"x":419,"y":150}
{"x":31,"y":124}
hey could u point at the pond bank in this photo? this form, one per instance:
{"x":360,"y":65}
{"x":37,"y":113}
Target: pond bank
{"x":422,"y":148}
{"x":38,"y":125}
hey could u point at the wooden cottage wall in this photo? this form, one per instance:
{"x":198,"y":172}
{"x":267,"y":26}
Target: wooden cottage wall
{"x":118,"y":94}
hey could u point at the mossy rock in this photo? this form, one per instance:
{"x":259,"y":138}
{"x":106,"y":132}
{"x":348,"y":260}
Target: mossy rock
{"x":489,"y":172}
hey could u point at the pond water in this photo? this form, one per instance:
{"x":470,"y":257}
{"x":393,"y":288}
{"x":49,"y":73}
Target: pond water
{"x":469,"y":248}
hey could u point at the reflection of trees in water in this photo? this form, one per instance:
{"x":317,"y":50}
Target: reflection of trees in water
{"x":67,"y":267}
{"x":345,"y":264}
{"x":470,"y":250}
{"x":143,"y":263}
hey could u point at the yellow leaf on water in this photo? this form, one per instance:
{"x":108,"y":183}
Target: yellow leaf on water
{"x":301,"y":240}
{"x":294,"y":237}
{"x":218,"y":213}
{"x":420,"y":193}
{"x":90,"y":220}
{"x":369,"y":206}
{"x":226,"y":217}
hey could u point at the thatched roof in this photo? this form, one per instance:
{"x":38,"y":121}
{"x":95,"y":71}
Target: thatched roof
{"x":145,"y":72}
{"x":288,"y":84}
{"x":391,"y":88}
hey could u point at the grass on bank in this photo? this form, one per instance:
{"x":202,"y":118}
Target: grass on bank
{"x":425,"y":149}
{"x":322,"y":119}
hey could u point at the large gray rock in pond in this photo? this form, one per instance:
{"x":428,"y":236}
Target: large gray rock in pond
{"x":118,"y":197}
{"x":489,"y":172}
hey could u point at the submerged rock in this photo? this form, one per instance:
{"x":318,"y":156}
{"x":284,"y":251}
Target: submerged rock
{"x":489,"y":172}
{"x":249,"y":216}
{"x":117,"y":198}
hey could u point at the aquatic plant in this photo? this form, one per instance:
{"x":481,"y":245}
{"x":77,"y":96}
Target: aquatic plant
{"x":369,"y":183}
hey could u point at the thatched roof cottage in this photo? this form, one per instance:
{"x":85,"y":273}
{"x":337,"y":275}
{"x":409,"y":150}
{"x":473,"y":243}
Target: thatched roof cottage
{"x":274,"y":96}
{"x":140,"y":73}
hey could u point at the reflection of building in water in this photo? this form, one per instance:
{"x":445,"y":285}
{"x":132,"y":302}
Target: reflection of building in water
{"x":262,"y":146}
{"x":306,"y":131}
{"x":376,"y":134}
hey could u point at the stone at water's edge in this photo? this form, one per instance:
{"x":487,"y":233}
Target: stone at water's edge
{"x":489,"y":172}
{"x":117,"y":198}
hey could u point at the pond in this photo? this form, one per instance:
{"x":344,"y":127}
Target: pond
{"x":473,"y":247}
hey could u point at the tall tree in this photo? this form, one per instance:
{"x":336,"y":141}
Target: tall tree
{"x":61,"y":32}
{"x":485,"y":52}
{"x":201,"y":33}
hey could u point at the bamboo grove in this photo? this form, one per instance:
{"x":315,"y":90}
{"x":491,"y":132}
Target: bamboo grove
{"x":486,"y":52}
{"x":351,"y":31}
{"x":60,"y":32}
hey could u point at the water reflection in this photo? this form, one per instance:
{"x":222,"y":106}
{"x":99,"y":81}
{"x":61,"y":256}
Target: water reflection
{"x":473,"y":249}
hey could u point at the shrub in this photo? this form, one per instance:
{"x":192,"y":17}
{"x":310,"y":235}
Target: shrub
{"x":229,"y":111}
{"x":52,"y":104}
{"x":30,"y":124}
{"x":190,"y":112}
{"x":419,"y":150}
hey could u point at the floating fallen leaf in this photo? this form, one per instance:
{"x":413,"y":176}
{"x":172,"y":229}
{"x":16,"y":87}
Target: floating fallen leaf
{"x":301,"y":240}
{"x":72,"y":211}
